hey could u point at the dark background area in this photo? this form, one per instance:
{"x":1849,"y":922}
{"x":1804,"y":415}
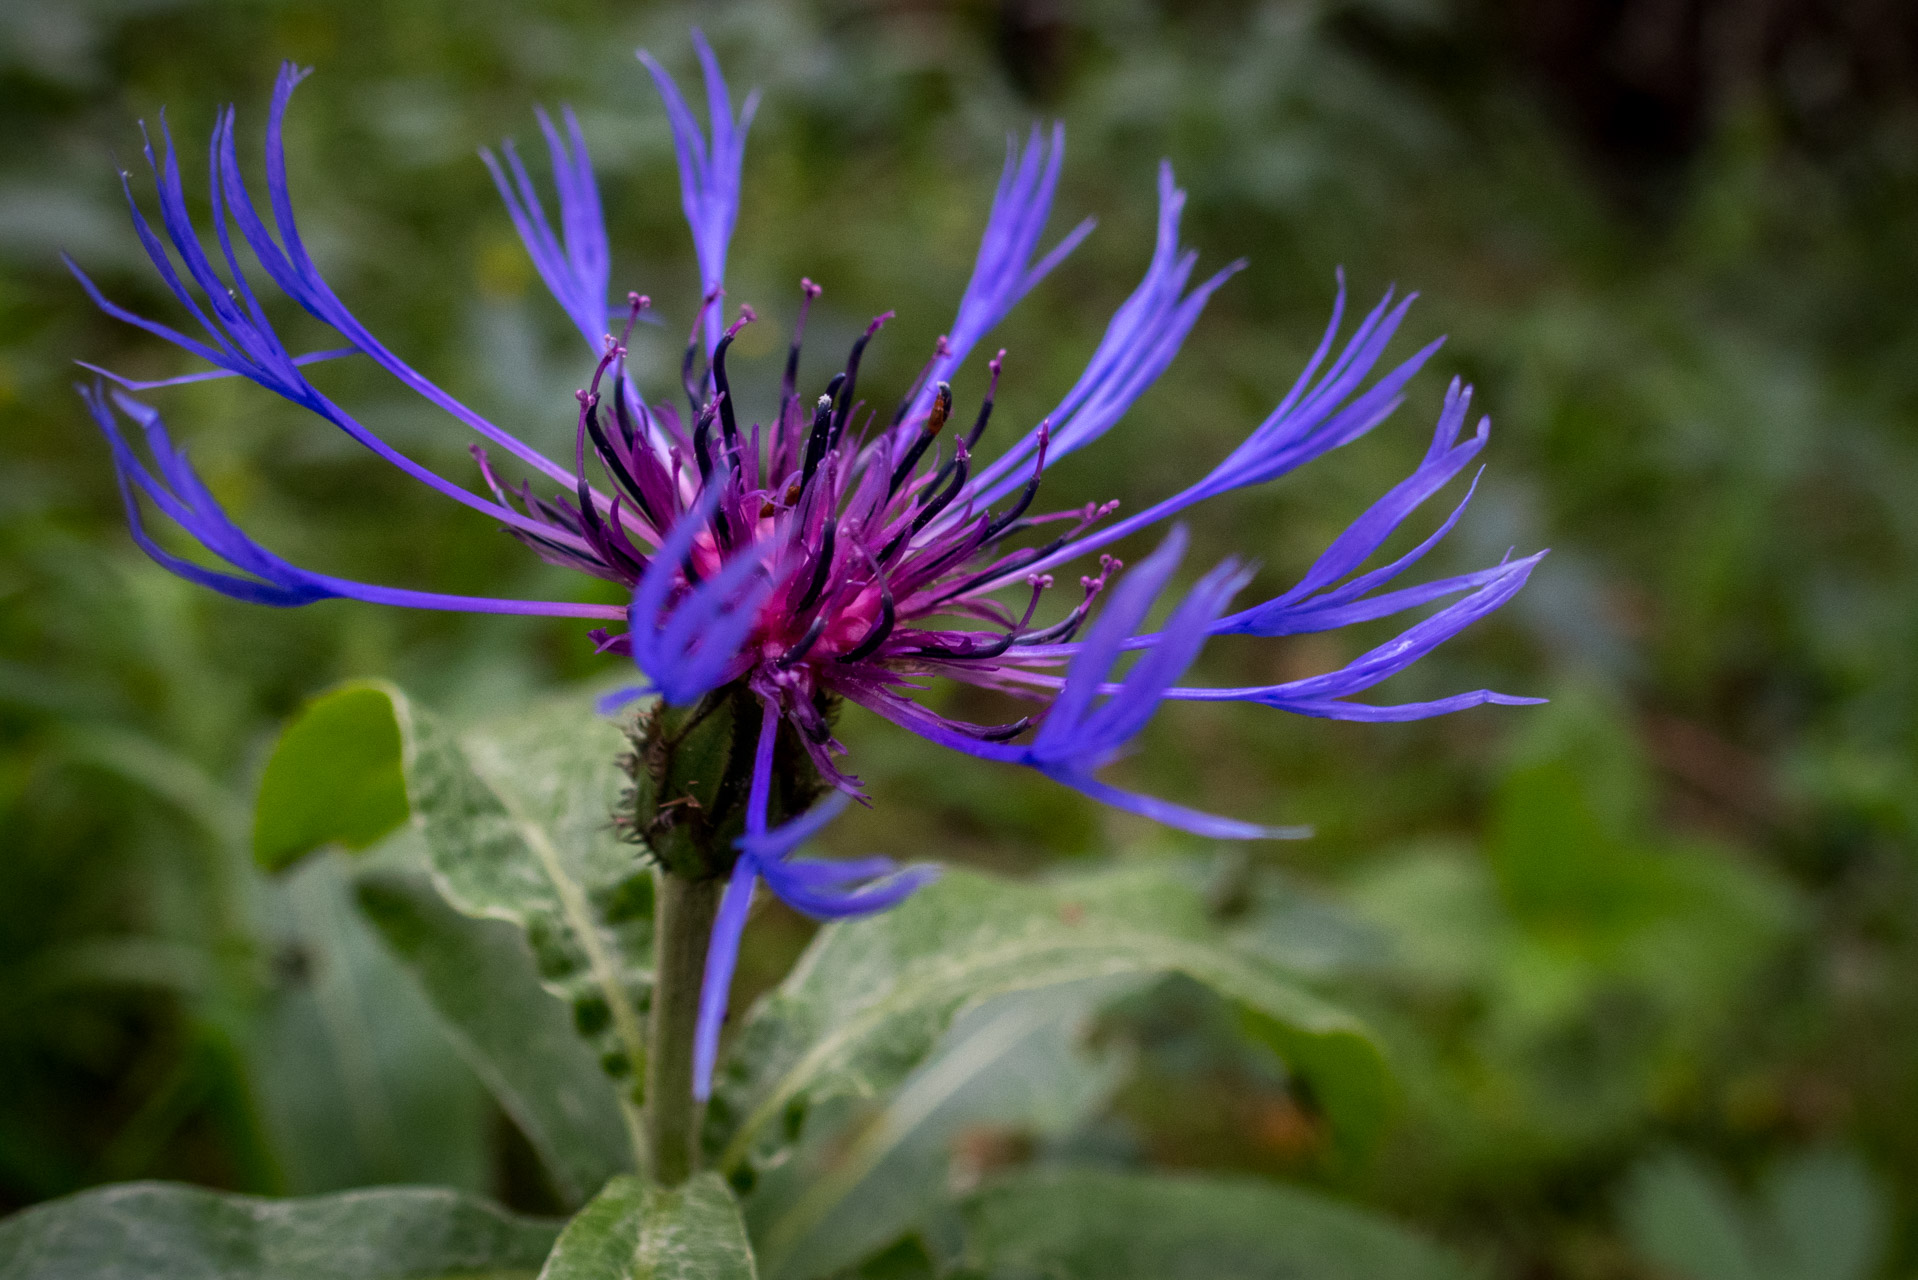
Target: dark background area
{"x":1657,"y":935}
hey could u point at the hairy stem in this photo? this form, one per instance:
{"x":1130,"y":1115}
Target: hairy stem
{"x":683,"y":921}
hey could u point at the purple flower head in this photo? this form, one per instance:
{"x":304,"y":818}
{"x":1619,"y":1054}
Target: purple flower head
{"x":833,"y":554}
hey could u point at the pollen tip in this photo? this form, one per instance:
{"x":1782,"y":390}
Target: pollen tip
{"x":878,"y":321}
{"x":807,"y":287}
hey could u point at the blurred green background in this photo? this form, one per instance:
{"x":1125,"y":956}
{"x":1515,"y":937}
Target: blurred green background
{"x":1646,"y":959}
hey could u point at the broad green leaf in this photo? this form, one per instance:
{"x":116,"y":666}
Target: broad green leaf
{"x":162,"y":1231}
{"x":517,"y":816}
{"x":480,"y":977}
{"x":1016,"y":1067}
{"x":335,"y":776}
{"x":1086,"y":1225}
{"x":1689,"y":1221}
{"x":351,"y":1075}
{"x":870,"y":998}
{"x":1829,"y":1216}
{"x":1821,"y":1216}
{"x":634,"y":1231}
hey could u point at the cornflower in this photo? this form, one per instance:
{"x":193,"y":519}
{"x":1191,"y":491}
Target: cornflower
{"x":834,"y":554}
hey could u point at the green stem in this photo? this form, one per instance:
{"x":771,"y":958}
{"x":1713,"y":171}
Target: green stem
{"x":683,"y":921}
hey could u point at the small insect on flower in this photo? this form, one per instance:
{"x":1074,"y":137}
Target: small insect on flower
{"x":834,"y":554}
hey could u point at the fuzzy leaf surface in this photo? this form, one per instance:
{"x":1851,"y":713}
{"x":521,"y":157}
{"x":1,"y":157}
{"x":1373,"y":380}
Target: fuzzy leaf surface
{"x":870,"y":998}
{"x":163,"y":1231}
{"x":1087,"y":1225}
{"x":633,"y":1231}
{"x":517,"y":817}
{"x":481,"y":979}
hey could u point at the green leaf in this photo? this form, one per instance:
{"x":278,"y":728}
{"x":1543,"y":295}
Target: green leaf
{"x":1016,"y":1065}
{"x":1685,"y":1218}
{"x":517,"y":816}
{"x":870,"y":998}
{"x":161,"y":1231}
{"x":335,"y":777}
{"x":1086,"y":1225}
{"x":634,"y":1231}
{"x":1821,"y":1216}
{"x":480,"y":977}
{"x":351,"y":1074}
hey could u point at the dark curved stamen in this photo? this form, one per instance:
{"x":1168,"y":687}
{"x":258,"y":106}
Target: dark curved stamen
{"x":985,"y":407}
{"x":933,"y":509}
{"x":694,"y":385}
{"x":935,"y":422}
{"x":1032,"y":555}
{"x":1004,"y":732}
{"x":930,"y":510}
{"x":703,"y":440}
{"x":1060,"y":631}
{"x":822,"y":567}
{"x":1026,"y":495}
{"x":940,"y":350}
{"x":788,"y":385}
{"x":722,"y":391}
{"x":610,"y":458}
{"x":979,"y":423}
{"x":881,"y":627}
{"x":992,"y":649}
{"x":843,"y":408}
{"x":628,"y":429}
{"x":806,"y":642}
{"x":821,"y":433}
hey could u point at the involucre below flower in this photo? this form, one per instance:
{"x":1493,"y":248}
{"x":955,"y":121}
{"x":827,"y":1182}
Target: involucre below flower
{"x":837,"y":553}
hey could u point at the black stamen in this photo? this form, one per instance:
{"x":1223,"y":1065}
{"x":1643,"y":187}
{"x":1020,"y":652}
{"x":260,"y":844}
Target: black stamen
{"x":931,"y":509}
{"x":789,"y":384}
{"x":1005,"y":732}
{"x":992,"y":649}
{"x":1060,"y":631}
{"x":979,"y":426}
{"x":610,"y":459}
{"x":843,"y":410}
{"x":821,"y":433}
{"x":822,"y":566}
{"x":1035,"y":554}
{"x":935,"y":422}
{"x":703,"y":441}
{"x":1004,"y":522}
{"x":722,"y":393}
{"x":807,"y":641}
{"x":880,"y":628}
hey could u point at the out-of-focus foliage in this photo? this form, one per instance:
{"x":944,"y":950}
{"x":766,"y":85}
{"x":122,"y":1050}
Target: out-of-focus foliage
{"x":1672,"y":912}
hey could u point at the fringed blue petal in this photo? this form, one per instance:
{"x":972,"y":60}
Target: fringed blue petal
{"x":576,"y":264}
{"x":709,"y":167}
{"x":1143,"y":337}
{"x":183,"y":498}
{"x":1004,"y":271}
{"x":1324,"y":695}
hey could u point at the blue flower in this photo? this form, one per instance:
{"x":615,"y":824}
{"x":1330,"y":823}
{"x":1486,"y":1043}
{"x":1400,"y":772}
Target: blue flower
{"x":833,"y":554}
